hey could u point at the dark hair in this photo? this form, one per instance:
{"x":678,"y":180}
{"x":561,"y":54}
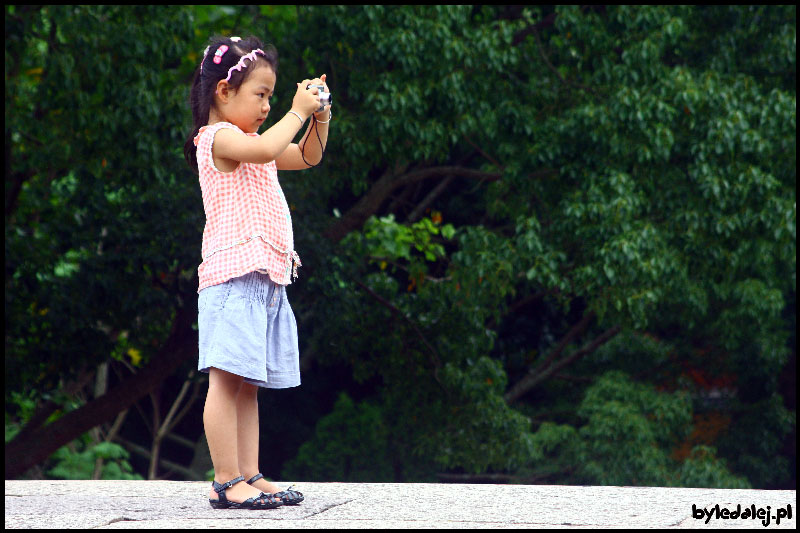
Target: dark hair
{"x":204,"y":84}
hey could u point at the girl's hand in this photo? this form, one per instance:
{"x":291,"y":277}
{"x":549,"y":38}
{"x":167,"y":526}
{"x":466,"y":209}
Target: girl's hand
{"x":324,"y":113}
{"x":305,"y":101}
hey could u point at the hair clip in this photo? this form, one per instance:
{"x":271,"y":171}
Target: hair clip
{"x":236,"y":39}
{"x":219,"y":53}
{"x":240,"y":65}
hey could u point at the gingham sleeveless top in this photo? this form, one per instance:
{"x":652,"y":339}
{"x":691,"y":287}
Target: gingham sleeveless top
{"x":248,"y":224}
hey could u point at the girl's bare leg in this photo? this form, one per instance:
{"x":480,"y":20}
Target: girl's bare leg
{"x":247,"y":410}
{"x":221,"y":424}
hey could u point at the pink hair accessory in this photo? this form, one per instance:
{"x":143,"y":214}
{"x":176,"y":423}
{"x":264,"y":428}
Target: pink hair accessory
{"x":240,"y":65}
{"x":205,"y":53}
{"x":219,"y":53}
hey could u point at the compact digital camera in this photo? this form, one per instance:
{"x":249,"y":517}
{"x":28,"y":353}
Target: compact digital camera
{"x":324,"y":98}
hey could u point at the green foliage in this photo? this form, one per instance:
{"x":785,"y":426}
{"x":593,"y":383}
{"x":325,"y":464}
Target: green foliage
{"x":81,"y":465}
{"x":640,"y":180}
{"x":755,"y":440}
{"x":633,"y":353}
{"x":627,"y":436}
{"x":25,"y":406}
{"x":99,"y":244}
{"x":703,"y":469}
{"x":349,"y":445}
{"x":629,"y":432}
{"x":482,"y":432}
{"x":668,"y":415}
{"x":636,"y":164}
{"x":388,"y":240}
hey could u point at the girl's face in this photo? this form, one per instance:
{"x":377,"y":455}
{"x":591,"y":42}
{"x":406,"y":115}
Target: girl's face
{"x":248,"y":107}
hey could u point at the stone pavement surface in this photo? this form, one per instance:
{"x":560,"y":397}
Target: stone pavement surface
{"x":184,"y":505}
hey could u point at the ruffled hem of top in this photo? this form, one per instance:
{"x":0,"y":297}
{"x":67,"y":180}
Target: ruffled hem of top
{"x":275,"y":247}
{"x":292,"y":258}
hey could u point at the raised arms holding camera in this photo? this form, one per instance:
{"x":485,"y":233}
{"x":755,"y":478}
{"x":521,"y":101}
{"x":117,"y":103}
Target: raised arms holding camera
{"x":275,"y":143}
{"x":308,"y":152}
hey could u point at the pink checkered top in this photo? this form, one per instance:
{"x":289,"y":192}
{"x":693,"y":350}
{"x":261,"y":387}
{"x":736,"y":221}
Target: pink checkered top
{"x":248,"y":224}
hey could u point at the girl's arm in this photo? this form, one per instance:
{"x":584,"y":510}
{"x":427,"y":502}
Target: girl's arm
{"x":228,"y":144}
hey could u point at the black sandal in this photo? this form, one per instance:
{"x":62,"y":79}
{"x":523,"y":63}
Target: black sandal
{"x":288,"y":496}
{"x":263,"y":501}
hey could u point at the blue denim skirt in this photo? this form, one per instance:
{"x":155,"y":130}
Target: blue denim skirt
{"x":246,"y":327}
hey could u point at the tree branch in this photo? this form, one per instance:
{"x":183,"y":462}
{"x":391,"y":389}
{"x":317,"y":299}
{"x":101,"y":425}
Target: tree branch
{"x":429,"y":199}
{"x":519,"y":304}
{"x":606,"y":336}
{"x":369,"y":204}
{"x":481,"y":151}
{"x":576,"y":330}
{"x":546,"y":370}
{"x":163,"y":428}
{"x":188,"y":473}
{"x":433,"y":172}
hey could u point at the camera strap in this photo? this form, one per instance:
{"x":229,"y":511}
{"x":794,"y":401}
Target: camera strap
{"x":302,"y":149}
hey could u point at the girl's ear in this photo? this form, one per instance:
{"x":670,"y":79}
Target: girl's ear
{"x":223,"y":91}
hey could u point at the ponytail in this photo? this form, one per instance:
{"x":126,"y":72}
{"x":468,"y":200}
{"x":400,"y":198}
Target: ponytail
{"x":201,"y":106}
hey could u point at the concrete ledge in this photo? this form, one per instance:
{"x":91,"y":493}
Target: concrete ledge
{"x":184,"y":504}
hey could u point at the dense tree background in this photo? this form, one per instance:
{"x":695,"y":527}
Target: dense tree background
{"x":546,"y":245}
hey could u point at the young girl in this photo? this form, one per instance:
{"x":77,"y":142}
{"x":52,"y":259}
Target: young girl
{"x":247,"y":330}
